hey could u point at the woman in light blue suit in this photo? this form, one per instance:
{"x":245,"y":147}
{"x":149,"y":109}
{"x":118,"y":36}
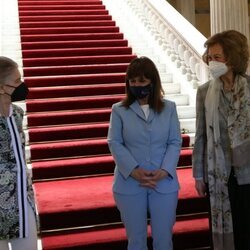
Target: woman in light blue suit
{"x":144,"y":139}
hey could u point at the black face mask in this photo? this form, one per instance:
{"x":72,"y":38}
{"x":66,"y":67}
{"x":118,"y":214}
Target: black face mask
{"x":20,"y":93}
{"x":140,"y":92}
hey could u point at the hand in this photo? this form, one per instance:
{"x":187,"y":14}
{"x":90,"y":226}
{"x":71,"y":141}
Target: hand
{"x":148,"y":178}
{"x":201,"y":188}
{"x":159,"y":174}
{"x":141,"y":174}
{"x":155,"y":177}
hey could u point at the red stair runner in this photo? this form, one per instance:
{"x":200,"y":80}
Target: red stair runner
{"x":70,"y":210}
{"x":74,"y":59}
{"x":188,"y":235}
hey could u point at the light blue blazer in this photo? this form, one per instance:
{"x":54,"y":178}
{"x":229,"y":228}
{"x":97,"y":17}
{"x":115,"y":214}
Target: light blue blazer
{"x":151,"y":143}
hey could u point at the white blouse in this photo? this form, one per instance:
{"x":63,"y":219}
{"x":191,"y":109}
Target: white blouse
{"x":145,"y":109}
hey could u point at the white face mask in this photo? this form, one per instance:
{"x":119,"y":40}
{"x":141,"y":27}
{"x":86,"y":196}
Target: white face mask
{"x":217,"y":69}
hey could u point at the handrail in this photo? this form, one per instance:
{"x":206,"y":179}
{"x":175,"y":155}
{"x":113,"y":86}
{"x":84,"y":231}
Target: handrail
{"x":176,"y":41}
{"x":182,"y":36}
{"x":179,"y":25}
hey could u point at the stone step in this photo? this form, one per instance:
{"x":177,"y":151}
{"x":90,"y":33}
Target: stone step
{"x":186,"y":112}
{"x":179,"y":99}
{"x":172,"y":88}
{"x":187,"y":125}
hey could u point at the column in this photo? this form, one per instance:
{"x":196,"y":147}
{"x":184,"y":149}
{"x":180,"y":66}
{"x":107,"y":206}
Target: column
{"x":229,"y":14}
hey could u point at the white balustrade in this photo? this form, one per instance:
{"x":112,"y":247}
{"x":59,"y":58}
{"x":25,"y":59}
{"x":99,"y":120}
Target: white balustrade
{"x":167,"y":32}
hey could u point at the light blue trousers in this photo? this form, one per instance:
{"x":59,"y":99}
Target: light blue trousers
{"x":134,"y":210}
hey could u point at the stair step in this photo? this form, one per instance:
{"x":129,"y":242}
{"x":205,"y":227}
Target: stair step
{"x":71,"y":167}
{"x":74,"y":44}
{"x":78,"y":148}
{"x":77,"y":51}
{"x":86,"y":166}
{"x":63,"y":13}
{"x":93,"y":202}
{"x":69,"y":37}
{"x":76,"y":131}
{"x":188,"y":125}
{"x":68,"y":117}
{"x":71,"y":23}
{"x":95,"y":89}
{"x":179,"y":99}
{"x":69,"y":30}
{"x":49,"y":81}
{"x":172,"y":88}
{"x":74,"y":91}
{"x":44,"y":7}
{"x":88,"y":116}
{"x":69,"y":132}
{"x":77,"y":60}
{"x":64,"y":18}
{"x":193,"y":231}
{"x":75,"y":69}
{"x":166,"y":78}
{"x":72,"y":103}
{"x":53,"y":2}
{"x":186,"y":112}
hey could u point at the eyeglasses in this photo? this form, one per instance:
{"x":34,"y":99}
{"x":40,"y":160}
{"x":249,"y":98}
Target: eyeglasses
{"x":216,"y":57}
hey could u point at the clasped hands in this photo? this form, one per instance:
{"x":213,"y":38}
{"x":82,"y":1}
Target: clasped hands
{"x":148,"y":178}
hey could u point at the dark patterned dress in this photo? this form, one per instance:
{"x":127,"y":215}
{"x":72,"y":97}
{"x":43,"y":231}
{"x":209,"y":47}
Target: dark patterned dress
{"x":15,"y":184}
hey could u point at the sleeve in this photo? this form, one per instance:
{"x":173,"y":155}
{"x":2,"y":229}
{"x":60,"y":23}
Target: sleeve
{"x":199,"y":151}
{"x":123,"y":158}
{"x":173,"y":145}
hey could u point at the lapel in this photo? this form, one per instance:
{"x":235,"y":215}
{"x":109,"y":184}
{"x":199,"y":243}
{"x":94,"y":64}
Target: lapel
{"x":135,"y":106}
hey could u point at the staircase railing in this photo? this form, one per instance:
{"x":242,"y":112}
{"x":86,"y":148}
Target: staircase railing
{"x":176,"y":40}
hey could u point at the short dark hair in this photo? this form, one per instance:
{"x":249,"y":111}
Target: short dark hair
{"x":7,"y":65}
{"x":235,"y":49}
{"x":145,"y":67}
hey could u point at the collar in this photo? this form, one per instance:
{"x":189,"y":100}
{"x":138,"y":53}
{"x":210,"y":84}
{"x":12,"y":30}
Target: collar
{"x":135,"y":106}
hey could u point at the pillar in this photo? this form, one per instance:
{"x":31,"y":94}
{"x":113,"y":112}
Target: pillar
{"x":229,"y":14}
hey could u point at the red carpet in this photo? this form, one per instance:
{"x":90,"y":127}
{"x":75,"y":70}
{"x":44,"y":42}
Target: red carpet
{"x":74,"y":59}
